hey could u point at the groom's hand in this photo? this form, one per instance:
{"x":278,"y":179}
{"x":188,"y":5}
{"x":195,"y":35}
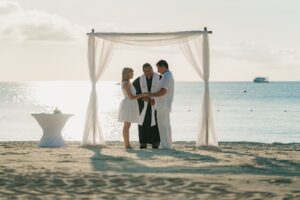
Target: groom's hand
{"x":146,"y":99}
{"x":148,"y":94}
{"x":152,"y":102}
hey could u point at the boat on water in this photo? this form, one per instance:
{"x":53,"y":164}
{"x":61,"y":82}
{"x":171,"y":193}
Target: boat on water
{"x":261,"y":80}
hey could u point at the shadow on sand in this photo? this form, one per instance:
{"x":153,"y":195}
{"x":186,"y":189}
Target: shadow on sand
{"x":126,"y":164}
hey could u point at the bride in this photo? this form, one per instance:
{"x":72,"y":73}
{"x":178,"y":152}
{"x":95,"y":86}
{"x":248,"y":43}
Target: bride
{"x":128,"y":110}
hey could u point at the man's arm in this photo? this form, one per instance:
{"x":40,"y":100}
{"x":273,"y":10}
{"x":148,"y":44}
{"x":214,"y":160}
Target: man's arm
{"x":161,"y":92}
{"x":165,"y":84}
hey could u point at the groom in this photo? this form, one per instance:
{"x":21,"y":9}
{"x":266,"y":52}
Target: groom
{"x":148,"y":130}
{"x":163,"y":101}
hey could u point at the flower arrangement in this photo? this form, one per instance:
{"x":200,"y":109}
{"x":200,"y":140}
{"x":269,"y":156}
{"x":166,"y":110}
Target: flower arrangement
{"x":56,"y":111}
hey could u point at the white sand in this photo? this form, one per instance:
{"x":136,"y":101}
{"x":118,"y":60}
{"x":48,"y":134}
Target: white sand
{"x":238,"y":171}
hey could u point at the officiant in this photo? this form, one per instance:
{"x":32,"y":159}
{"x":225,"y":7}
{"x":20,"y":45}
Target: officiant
{"x":148,"y":129}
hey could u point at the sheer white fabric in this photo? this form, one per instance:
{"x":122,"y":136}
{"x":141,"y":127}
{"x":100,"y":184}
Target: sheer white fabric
{"x":199,"y":59}
{"x":193,"y":53}
{"x":99,"y":55}
{"x":150,"y":39}
{"x":102,"y":45}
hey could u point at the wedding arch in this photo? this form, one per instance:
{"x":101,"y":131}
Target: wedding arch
{"x":195,"y":48}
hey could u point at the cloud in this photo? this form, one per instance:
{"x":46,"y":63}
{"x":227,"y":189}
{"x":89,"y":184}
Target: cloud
{"x":259,"y":54}
{"x":35,"y":26}
{"x":7,"y":7}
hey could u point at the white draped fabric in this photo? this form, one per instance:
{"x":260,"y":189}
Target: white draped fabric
{"x":149,"y":39}
{"x":100,"y":49}
{"x":99,"y":55}
{"x":198,"y":56}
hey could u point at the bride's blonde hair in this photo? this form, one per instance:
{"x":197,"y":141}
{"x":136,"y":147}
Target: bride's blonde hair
{"x":125,"y":73}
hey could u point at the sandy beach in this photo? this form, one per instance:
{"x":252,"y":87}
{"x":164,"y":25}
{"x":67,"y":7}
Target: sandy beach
{"x":239,"y":170}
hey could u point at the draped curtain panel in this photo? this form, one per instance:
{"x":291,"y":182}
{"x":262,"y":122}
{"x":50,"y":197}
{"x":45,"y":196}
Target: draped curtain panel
{"x":99,"y":54}
{"x":196,"y":51}
{"x":194,"y":46}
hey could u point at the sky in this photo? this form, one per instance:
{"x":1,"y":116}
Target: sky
{"x":46,"y":39}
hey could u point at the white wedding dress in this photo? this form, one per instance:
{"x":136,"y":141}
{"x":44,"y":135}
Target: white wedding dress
{"x":129,"y":108}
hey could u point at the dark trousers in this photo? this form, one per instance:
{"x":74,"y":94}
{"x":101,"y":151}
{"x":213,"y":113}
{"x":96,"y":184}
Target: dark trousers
{"x":148,"y":134}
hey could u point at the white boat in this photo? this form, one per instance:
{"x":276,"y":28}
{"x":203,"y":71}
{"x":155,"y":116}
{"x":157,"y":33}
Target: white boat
{"x":261,"y":80}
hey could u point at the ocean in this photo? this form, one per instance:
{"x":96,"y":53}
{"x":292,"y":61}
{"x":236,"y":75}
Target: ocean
{"x":243,"y":111}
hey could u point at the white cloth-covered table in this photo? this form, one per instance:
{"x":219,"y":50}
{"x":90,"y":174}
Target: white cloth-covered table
{"x":52,"y":124}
